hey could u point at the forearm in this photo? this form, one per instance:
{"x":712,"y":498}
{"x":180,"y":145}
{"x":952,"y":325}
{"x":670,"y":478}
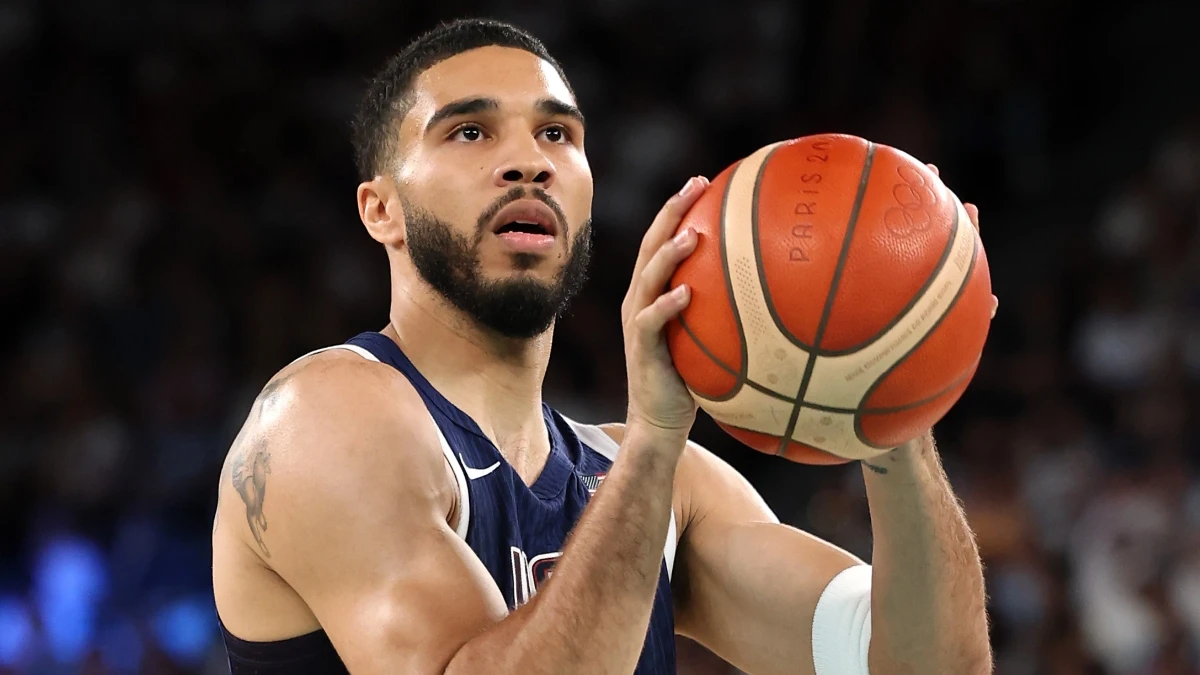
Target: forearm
{"x":603,"y":587}
{"x":927,"y":601}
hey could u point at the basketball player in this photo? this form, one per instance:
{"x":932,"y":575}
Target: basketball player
{"x":406,"y":503}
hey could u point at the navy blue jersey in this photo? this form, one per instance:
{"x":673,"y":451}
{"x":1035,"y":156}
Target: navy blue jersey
{"x":517,"y":530}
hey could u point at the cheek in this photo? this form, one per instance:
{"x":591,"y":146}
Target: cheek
{"x":446,"y":175}
{"x":450,"y":199}
{"x":579,"y":204}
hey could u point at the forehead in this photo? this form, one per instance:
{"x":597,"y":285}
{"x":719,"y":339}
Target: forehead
{"x":511,"y":76}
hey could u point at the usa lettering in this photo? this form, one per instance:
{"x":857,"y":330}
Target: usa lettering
{"x":530,"y":574}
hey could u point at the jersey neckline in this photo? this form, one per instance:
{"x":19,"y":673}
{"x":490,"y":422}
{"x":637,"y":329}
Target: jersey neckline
{"x":558,"y":468}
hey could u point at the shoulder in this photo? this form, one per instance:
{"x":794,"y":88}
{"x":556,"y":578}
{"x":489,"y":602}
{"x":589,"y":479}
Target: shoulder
{"x":336,"y":398}
{"x":330,"y":425}
{"x":339,"y":378}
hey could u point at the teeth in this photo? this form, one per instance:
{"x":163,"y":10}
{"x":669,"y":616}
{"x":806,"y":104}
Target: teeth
{"x":524,"y":226}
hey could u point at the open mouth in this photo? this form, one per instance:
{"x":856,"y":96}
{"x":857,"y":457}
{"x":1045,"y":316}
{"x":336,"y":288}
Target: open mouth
{"x":524,"y":228}
{"x":525,"y":219}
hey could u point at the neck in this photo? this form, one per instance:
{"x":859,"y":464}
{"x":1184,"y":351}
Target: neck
{"x":494,"y":379}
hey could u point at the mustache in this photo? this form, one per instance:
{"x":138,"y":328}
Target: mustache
{"x":515,"y":193}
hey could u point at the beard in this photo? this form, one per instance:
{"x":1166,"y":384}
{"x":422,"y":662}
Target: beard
{"x":514,"y":308}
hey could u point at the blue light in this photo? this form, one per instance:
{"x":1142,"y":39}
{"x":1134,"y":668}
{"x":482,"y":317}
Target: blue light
{"x":70,"y":579}
{"x":184,"y":629}
{"x":16,"y":632}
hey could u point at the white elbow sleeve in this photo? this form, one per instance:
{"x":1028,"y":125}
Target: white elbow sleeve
{"x":841,"y":630}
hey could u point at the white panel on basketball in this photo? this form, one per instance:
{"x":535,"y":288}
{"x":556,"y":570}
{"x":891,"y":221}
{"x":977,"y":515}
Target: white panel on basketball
{"x":843,"y":381}
{"x":753,"y":410}
{"x":772,"y":360}
{"x":831,"y":432}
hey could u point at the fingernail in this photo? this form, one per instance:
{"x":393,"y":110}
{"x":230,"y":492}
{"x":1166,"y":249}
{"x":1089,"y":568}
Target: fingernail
{"x":689,"y":188}
{"x":679,"y":292}
{"x":681,"y":239}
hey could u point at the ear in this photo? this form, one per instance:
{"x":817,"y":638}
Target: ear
{"x":380,"y":210}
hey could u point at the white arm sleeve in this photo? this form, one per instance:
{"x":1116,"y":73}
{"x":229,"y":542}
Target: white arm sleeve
{"x":841,"y":631}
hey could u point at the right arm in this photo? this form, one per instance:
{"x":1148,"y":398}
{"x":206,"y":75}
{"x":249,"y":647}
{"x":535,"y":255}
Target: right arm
{"x":602,"y":591}
{"x":359,"y":499}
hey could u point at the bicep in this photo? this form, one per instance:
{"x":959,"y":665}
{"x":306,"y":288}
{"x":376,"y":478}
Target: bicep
{"x":405,"y":605}
{"x":748,"y":585}
{"x":357,"y":498}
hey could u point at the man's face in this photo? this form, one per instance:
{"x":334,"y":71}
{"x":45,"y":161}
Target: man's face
{"x":496,"y":188}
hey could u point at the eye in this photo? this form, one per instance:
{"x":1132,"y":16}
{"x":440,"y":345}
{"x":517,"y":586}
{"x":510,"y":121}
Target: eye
{"x":557,"y":134}
{"x":467,"y":133}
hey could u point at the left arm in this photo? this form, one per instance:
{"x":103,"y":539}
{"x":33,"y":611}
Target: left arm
{"x":747,"y":586}
{"x":927,"y":582}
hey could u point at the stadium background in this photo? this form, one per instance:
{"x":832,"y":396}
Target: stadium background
{"x":177,"y":221}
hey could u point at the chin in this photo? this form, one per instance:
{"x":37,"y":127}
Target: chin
{"x":532,"y":262}
{"x":524,"y":266}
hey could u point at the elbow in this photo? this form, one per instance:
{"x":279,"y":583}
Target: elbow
{"x":470,"y":659}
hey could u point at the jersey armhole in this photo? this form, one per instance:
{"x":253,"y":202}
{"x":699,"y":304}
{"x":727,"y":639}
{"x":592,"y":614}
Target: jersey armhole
{"x":464,"y":496}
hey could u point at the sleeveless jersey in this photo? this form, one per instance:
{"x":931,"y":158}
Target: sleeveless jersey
{"x":517,"y":531}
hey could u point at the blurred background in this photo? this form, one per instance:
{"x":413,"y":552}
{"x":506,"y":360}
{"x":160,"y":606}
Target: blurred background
{"x":177,"y":221}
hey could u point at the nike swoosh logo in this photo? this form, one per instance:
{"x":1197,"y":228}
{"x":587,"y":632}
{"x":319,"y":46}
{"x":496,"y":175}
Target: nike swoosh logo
{"x":473,"y":473}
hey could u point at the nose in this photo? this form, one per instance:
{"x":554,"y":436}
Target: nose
{"x":525,"y":164}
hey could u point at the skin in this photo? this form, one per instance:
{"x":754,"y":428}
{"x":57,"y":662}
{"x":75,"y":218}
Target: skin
{"x":343,"y":510}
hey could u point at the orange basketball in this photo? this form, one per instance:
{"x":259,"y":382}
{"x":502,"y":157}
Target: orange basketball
{"x":840,"y":300}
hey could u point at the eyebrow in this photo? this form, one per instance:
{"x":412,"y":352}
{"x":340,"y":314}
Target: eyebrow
{"x":465,"y":106}
{"x":479,"y":104}
{"x":551,"y":106}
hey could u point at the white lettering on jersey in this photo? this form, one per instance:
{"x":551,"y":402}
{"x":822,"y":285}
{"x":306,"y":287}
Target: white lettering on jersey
{"x":530,"y":574}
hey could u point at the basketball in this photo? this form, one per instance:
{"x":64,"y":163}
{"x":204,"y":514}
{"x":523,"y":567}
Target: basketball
{"x":840,"y":300}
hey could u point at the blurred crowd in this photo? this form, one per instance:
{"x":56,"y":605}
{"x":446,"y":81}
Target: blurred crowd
{"x":177,"y":222}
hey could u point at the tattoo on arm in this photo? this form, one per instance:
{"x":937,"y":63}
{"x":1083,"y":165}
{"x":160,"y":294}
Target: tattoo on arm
{"x":250,"y":469}
{"x":268,"y":395}
{"x":876,"y":468}
{"x":220,"y":494}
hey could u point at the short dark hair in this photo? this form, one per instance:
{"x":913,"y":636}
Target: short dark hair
{"x":385,"y":100}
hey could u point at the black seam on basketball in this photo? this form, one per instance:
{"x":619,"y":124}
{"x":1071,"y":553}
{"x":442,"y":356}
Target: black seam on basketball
{"x":739,"y":375}
{"x":741,"y":379}
{"x":758,"y":258}
{"x":911,"y":303}
{"x":893,"y":409}
{"x":954,"y":301}
{"x":753,"y":385}
{"x":848,"y":237}
{"x":737,"y":317}
{"x":733,"y":427}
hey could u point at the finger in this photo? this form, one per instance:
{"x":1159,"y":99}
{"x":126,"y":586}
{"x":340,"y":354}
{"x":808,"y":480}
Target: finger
{"x":668,"y":218}
{"x":934,"y":169}
{"x":667,"y":221}
{"x":995,"y":305}
{"x":654,"y":276}
{"x":973,"y":214}
{"x":650,"y":321}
